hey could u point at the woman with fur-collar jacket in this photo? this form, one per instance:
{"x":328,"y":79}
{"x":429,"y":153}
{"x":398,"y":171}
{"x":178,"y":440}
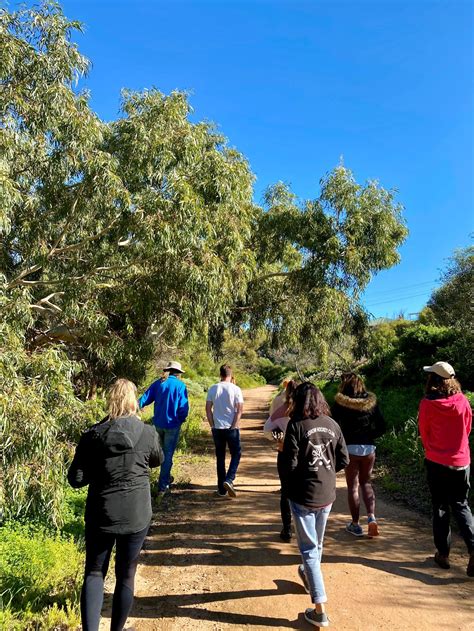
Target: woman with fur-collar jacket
{"x":359,"y":417}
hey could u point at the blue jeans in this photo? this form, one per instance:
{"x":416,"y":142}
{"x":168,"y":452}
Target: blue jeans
{"x":169,"y":440}
{"x":310,"y":525}
{"x":222,"y":439}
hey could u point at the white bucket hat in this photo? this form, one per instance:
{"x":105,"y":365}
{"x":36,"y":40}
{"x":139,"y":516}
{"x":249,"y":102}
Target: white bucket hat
{"x":443,"y":369}
{"x":173,"y":366}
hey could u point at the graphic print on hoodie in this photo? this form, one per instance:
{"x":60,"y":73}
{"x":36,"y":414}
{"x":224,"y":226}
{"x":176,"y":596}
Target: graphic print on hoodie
{"x":313,"y":451}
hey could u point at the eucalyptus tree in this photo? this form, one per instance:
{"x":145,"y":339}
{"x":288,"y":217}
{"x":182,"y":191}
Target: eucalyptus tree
{"x":452,"y":305}
{"x":110,"y":233}
{"x":314,"y":259}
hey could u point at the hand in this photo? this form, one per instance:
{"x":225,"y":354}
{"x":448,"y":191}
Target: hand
{"x":278,"y":435}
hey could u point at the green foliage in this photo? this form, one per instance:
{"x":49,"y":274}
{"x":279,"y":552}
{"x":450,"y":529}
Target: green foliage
{"x":403,"y":447}
{"x":151,"y":210}
{"x":272,"y":373}
{"x":39,"y":573}
{"x":453,"y":305}
{"x":400,"y":349}
{"x":40,"y":418}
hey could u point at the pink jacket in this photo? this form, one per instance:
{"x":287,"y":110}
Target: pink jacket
{"x":445,"y":425}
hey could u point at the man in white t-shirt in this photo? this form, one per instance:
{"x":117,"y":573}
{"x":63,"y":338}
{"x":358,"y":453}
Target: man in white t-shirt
{"x":224,"y":406}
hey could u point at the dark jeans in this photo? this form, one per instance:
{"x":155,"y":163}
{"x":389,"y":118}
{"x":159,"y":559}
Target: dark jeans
{"x":285,"y":509}
{"x":98,"y":550}
{"x":358,"y":473}
{"x":224,"y":438}
{"x":449,"y":492}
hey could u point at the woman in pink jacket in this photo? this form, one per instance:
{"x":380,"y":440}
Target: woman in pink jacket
{"x":445,"y":420}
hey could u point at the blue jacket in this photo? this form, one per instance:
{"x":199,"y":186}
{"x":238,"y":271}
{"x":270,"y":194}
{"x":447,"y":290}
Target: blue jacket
{"x":171,"y":402}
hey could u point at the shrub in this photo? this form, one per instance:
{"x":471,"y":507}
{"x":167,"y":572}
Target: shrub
{"x":273,"y":373}
{"x":39,"y":570}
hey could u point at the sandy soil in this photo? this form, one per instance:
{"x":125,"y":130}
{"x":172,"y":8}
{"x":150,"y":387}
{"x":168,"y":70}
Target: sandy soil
{"x":219,"y":564}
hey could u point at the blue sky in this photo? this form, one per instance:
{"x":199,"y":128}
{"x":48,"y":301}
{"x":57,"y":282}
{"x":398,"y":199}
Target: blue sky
{"x":296,"y":85}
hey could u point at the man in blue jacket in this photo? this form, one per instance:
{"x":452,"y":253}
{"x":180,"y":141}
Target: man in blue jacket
{"x":170,"y":397}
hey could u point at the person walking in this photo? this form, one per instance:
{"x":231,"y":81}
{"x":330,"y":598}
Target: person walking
{"x":313,"y":451}
{"x":170,"y":396}
{"x":113,"y":458}
{"x":358,"y":415}
{"x":445,"y":422}
{"x":274,"y":429}
{"x":224,"y":406}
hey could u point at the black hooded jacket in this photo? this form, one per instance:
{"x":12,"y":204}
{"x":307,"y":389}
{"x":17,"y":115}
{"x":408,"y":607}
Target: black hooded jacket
{"x":313,"y":452}
{"x":359,"y":418}
{"x":114,"y":458}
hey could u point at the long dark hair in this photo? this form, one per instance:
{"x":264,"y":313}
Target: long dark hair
{"x":308,"y":402}
{"x":290,"y":390}
{"x":352,"y":386}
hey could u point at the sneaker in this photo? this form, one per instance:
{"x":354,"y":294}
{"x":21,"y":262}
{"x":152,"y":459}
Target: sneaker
{"x":219,"y":494}
{"x":470,"y":566}
{"x":442,"y":561}
{"x":229,"y":487}
{"x":302,"y":575}
{"x":354,"y":529}
{"x":285,"y":535}
{"x":315,"y":618}
{"x":373,"y":529}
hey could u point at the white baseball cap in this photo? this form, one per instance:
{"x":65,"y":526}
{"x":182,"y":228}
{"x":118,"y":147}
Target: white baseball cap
{"x":443,"y":369}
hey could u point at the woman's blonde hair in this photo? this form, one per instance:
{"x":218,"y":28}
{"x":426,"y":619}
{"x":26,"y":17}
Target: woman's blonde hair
{"x":122,"y":399}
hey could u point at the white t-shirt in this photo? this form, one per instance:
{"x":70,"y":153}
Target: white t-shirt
{"x":224,"y":396}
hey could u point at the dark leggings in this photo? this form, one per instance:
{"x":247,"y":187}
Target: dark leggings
{"x":98,"y":550}
{"x":358,"y":472}
{"x":285,"y":509}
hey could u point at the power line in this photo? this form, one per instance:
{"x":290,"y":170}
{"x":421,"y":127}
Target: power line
{"x":395,"y":289}
{"x":396,"y":298}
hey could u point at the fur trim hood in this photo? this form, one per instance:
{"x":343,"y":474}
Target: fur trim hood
{"x":361,"y":405}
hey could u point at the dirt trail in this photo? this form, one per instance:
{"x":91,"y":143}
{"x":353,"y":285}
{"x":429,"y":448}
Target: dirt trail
{"x":219,"y":564}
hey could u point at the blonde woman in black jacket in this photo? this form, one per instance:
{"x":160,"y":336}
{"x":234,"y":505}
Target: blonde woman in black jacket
{"x":358,"y":415}
{"x":114,"y":458}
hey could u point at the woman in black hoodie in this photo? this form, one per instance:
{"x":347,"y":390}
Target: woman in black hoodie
{"x":313,"y":452}
{"x":114,"y":458}
{"x":361,"y":421}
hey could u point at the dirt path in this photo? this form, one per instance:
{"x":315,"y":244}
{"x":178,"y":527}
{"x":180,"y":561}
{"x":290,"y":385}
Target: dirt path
{"x":219,"y":564}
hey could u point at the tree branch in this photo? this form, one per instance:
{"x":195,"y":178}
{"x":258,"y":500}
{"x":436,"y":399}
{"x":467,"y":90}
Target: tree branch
{"x":18,"y":280}
{"x":45,"y":303}
{"x":63,"y":231}
{"x":77,"y":246}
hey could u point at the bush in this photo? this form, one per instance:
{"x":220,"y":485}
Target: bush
{"x":273,"y":373}
{"x":40,"y":573}
{"x":249,"y":380}
{"x":400,"y":349}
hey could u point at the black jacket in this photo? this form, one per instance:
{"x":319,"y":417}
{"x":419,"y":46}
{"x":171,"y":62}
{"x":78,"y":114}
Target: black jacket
{"x":113,"y":458}
{"x":360,"y":419}
{"x":313,"y":451}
